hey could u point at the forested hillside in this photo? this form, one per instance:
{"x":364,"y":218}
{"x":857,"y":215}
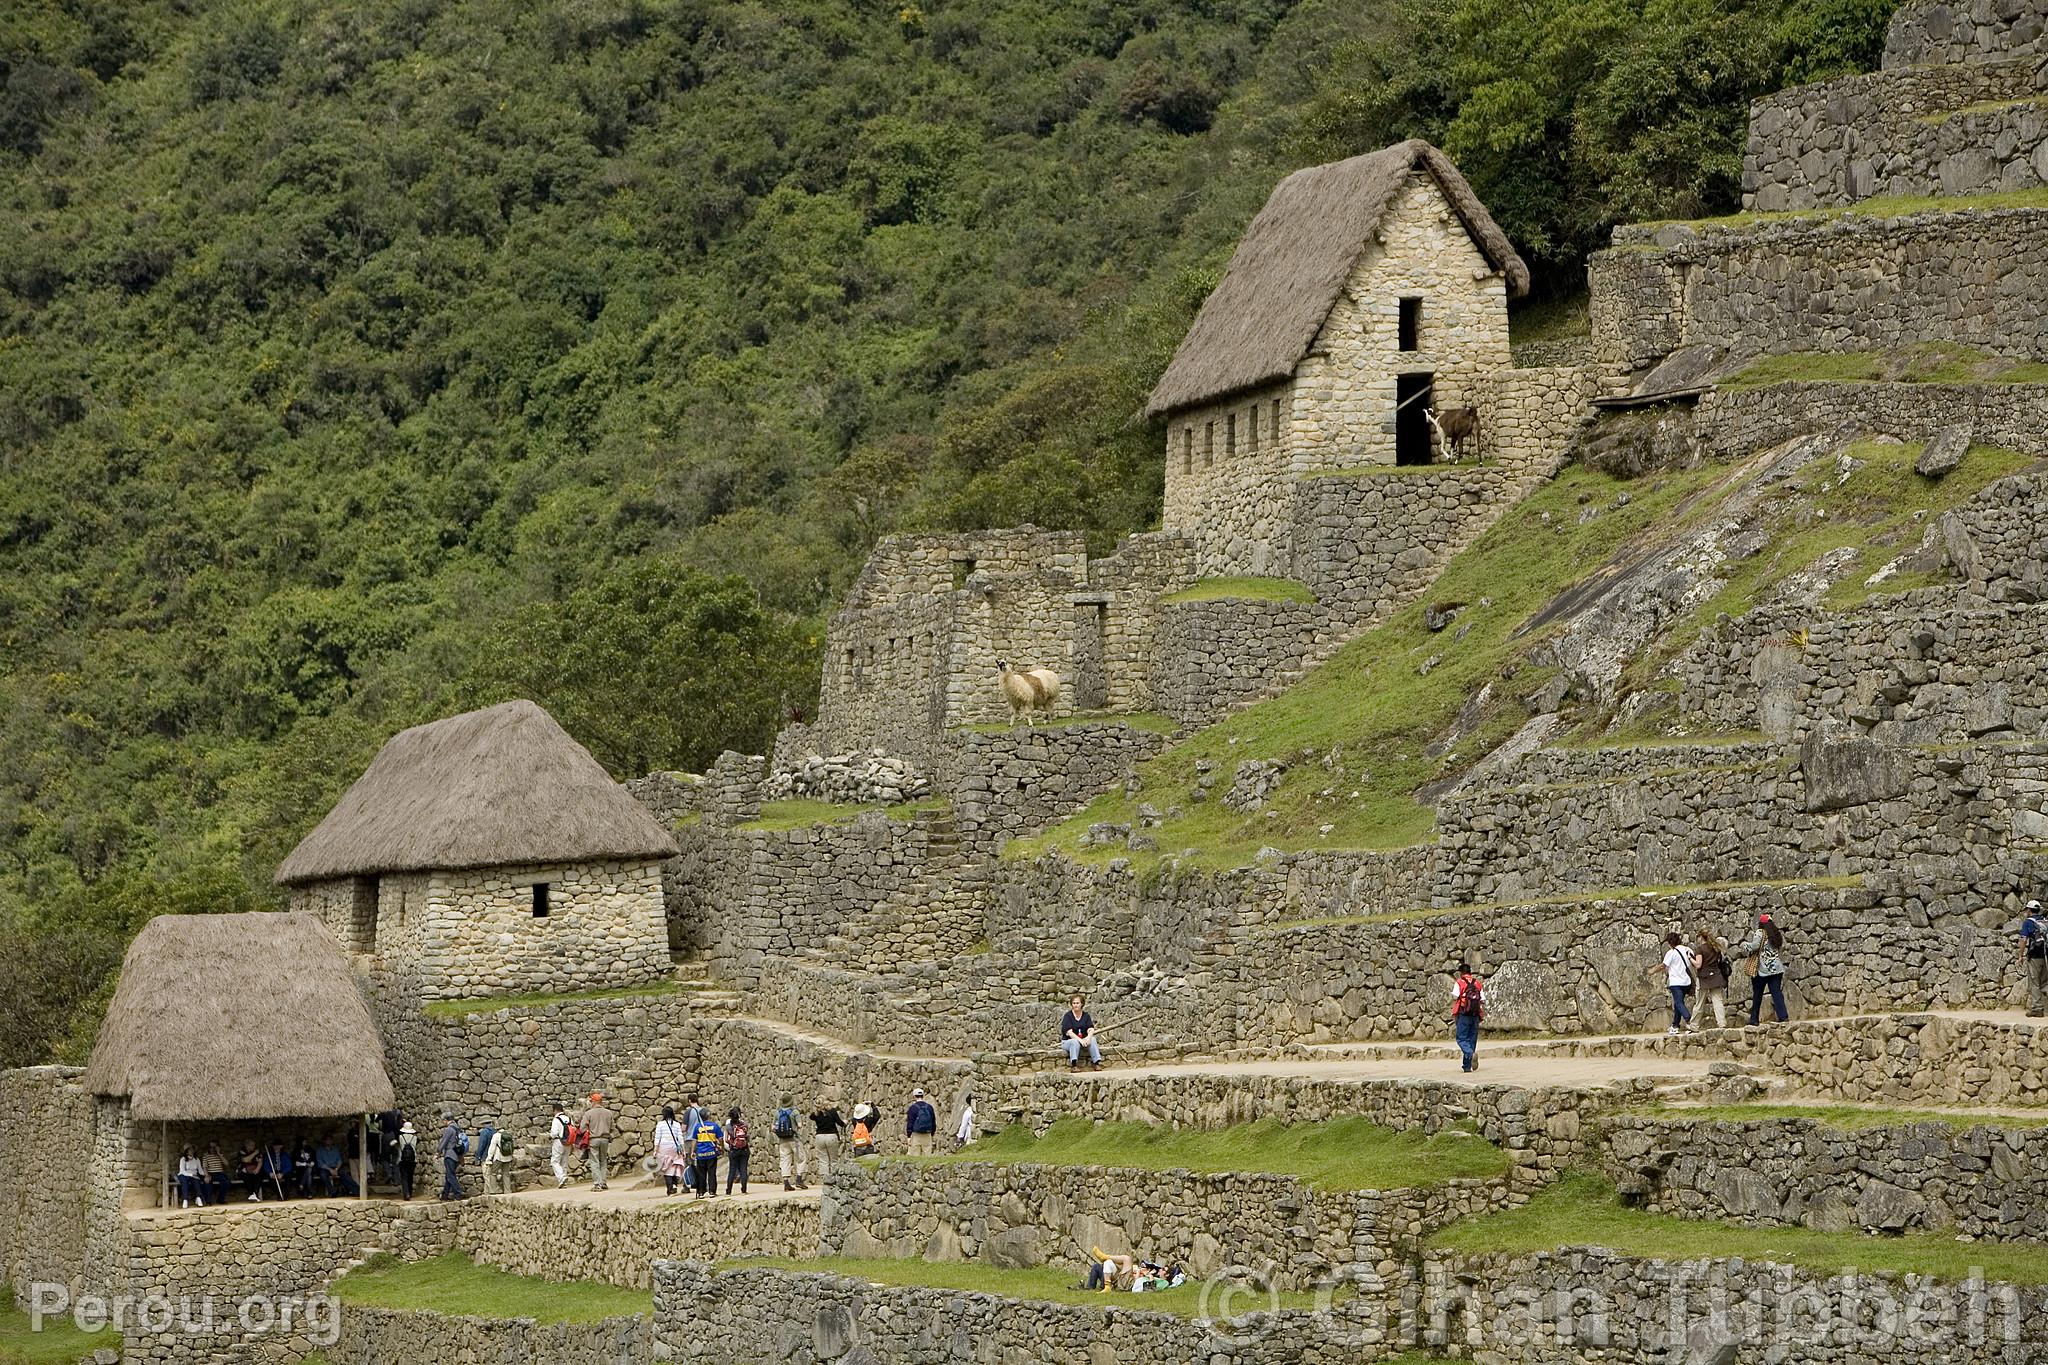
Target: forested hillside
{"x":359,"y":362}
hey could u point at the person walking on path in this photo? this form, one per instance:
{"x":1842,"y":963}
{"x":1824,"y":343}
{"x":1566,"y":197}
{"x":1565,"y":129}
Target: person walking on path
{"x":739,"y":1150}
{"x":706,"y":1138}
{"x":600,"y":1123}
{"x":1711,"y":975}
{"x":964,"y":1133}
{"x":1677,"y":969}
{"x":2034,"y":958}
{"x":497,"y":1164}
{"x":1077,"y":1031}
{"x":920,"y":1126}
{"x":670,"y":1157}
{"x":826,"y":1123}
{"x":1765,"y":951}
{"x":558,"y":1144}
{"x":453,"y":1146}
{"x":693,"y":1114}
{"x":408,"y":1157}
{"x":1468,"y":1007}
{"x":789,"y":1146}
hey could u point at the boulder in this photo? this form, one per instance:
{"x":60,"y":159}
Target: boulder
{"x":1016,"y":1249}
{"x":1944,"y":452}
{"x":833,"y":1331}
{"x":1888,"y":1208}
{"x":1844,"y":772}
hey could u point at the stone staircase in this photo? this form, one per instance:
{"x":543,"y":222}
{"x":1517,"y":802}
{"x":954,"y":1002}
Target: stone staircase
{"x":707,"y":993}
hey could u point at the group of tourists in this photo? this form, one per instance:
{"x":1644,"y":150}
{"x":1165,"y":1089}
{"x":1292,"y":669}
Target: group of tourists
{"x":301,"y":1169}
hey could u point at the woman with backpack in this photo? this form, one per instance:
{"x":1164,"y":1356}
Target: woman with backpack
{"x":408,"y":1156}
{"x":1711,"y":977}
{"x":1765,"y":949}
{"x":1468,"y":1007}
{"x":738,"y":1150}
{"x":671,"y":1154}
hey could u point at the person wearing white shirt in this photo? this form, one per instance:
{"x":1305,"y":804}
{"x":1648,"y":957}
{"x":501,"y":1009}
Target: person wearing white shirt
{"x":1677,"y":967}
{"x":964,"y":1134}
{"x":191,"y":1180}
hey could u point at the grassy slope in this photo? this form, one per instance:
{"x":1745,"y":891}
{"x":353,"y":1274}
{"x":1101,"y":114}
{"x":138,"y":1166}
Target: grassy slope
{"x":1342,"y":1154}
{"x":1884,"y":206}
{"x":1246,"y":589}
{"x":58,"y":1343}
{"x":1932,"y":363}
{"x":1582,"y":1210}
{"x":451,"y":1283}
{"x":1379,"y":711}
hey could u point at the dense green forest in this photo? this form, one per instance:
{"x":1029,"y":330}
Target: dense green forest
{"x":360,"y":362}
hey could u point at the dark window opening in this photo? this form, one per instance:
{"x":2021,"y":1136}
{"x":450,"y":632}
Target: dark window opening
{"x":1276,"y":421}
{"x":363,"y":915}
{"x":1230,"y":435}
{"x":540,"y":900}
{"x":1411,"y":324}
{"x":1187,"y":449}
{"x":1251,"y":431}
{"x":1208,"y":445}
{"x":962,"y":568}
{"x":1411,"y":418}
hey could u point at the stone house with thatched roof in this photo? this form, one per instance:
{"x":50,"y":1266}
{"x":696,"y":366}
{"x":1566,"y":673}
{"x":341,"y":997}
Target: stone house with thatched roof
{"x":1365,"y":293}
{"x":488,"y":854}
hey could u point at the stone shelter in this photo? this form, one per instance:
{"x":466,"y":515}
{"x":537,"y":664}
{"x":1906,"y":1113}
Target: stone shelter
{"x":1365,"y":295}
{"x":486,"y":854}
{"x":225,"y":1027}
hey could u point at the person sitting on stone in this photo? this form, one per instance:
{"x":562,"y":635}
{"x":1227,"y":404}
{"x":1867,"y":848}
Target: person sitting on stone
{"x":249,"y":1166}
{"x":215,"y":1164}
{"x":332,"y":1168}
{"x":305,"y":1179}
{"x":191,"y":1179}
{"x":277,"y":1171}
{"x":1077,"y":1031}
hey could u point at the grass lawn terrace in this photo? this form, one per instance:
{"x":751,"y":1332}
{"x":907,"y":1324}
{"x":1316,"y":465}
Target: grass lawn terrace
{"x":453,"y":1284}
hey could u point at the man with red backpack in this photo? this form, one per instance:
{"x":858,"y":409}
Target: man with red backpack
{"x":1468,"y":1007}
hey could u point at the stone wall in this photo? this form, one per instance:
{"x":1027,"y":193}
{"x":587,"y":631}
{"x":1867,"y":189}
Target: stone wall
{"x":1018,"y":781}
{"x":574,"y":1241}
{"x":1934,"y":32}
{"x":1994,"y":541}
{"x":45,"y":1149}
{"x":384,"y":1336}
{"x":1214,"y":656}
{"x":1922,"y":131}
{"x":1035,"y":1214}
{"x":1922,"y":670}
{"x":1733,"y":423}
{"x":481,"y":934}
{"x":1976,"y":278}
{"x":1564,"y":1307}
{"x":1227,"y":471}
{"x":1982,"y":1183}
{"x":261,"y":1250}
{"x":747,"y":1315}
{"x":1368,"y":541}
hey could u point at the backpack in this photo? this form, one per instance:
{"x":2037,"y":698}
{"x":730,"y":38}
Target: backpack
{"x":462,"y":1144}
{"x":575,"y":1136}
{"x":736,"y":1137}
{"x":1469,"y":998}
{"x":785,"y":1123}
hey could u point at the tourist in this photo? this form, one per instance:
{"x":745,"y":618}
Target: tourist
{"x":453,"y":1147}
{"x":332,"y":1169}
{"x":825,"y":1124}
{"x":388,"y":1124}
{"x":1765,"y":951}
{"x":789,"y":1147}
{"x":863,"y":1135}
{"x":738,"y":1150}
{"x":277,"y":1170}
{"x":1677,"y":969}
{"x":669,"y":1149}
{"x":191,"y":1180}
{"x":408,"y":1156}
{"x":1077,"y":1031}
{"x":496,"y":1162}
{"x":706,"y":1138}
{"x":693,"y":1114}
{"x":964,"y":1133}
{"x":1711,"y":978}
{"x":2034,"y":958}
{"x":1468,"y":1007}
{"x":249,"y":1166}
{"x":215,"y":1165}
{"x":920,"y":1126}
{"x":305,"y":1171}
{"x":600,"y":1123}
{"x":558,"y":1144}
{"x":1104,"y":1269}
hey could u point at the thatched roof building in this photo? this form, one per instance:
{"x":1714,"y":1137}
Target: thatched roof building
{"x":1294,"y":259}
{"x":251,"y":1016}
{"x":491,"y":788}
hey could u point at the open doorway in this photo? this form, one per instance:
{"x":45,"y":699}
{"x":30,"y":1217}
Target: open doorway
{"x":1411,"y":417}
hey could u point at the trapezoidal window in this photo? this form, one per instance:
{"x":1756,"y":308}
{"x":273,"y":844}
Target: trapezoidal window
{"x":1208,"y":444}
{"x":1230,"y":435}
{"x":1187,"y":449}
{"x":1411,"y":324}
{"x":1276,"y":421}
{"x":540,"y":900}
{"x":363,"y":915}
{"x":1251,"y":429}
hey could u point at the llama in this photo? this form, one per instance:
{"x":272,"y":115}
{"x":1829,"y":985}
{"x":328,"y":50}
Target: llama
{"x":1029,"y":692}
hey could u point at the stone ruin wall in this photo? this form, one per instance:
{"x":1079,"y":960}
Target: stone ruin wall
{"x":1227,"y":489}
{"x":569,"y":1242}
{"x":605,"y":927}
{"x":1994,"y":541}
{"x":1977,"y":278}
{"x":1009,"y":783}
{"x":1730,"y":424}
{"x":389,"y":1334}
{"x":1941,"y":32}
{"x":45,"y":1149}
{"x":1982,"y":1183}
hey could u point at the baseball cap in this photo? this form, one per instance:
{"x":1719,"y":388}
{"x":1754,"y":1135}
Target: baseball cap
{"x":917,"y":1094}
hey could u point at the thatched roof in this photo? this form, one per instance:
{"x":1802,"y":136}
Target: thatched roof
{"x":484,"y":789}
{"x":1293,"y":260}
{"x":252,"y":1016}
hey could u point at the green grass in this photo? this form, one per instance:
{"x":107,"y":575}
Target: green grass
{"x":457,"y":1009}
{"x":1582,"y":1210}
{"x":1246,"y":589}
{"x":799,"y":812}
{"x":59,"y":1343}
{"x":1049,"y":1284}
{"x":1340,"y":1154}
{"x":451,"y":1283}
{"x":1980,"y":107}
{"x":1560,"y":318}
{"x":1840,"y":1117}
{"x":1929,"y":363}
{"x":1884,"y":206}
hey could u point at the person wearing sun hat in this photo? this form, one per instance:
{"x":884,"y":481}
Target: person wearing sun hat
{"x":600,"y":1123}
